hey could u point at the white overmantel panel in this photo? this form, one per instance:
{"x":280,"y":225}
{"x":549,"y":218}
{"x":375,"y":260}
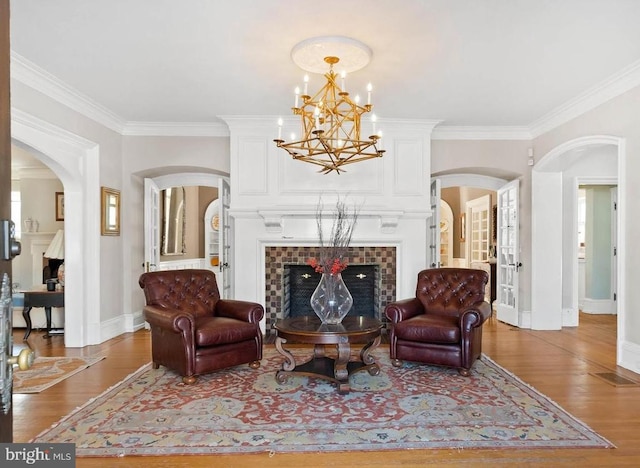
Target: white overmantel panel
{"x":263,"y":175}
{"x":274,"y":198}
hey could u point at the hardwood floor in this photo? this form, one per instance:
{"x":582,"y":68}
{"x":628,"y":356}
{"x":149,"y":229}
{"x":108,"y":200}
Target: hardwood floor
{"x":559,"y":364}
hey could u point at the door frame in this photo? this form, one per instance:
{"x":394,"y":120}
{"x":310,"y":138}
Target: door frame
{"x":550,"y":163}
{"x":76,"y":162}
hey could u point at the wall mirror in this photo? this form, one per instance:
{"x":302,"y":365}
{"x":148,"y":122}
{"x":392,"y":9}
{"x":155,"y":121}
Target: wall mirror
{"x":110,"y":212}
{"x":172,"y":204}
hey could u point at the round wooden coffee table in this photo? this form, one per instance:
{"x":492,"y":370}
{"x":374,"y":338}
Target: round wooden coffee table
{"x":337,"y":369}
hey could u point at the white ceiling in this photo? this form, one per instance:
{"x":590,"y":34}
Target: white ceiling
{"x":464,"y":62}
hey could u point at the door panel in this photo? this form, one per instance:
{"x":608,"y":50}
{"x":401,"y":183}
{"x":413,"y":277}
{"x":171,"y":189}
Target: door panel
{"x":478,"y":237}
{"x":433,"y":260}
{"x":6,"y":418}
{"x":508,"y":253}
{"x":226,"y":239}
{"x":151,"y":225}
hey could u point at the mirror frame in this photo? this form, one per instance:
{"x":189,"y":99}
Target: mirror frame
{"x":110,"y":212}
{"x":178,"y":225}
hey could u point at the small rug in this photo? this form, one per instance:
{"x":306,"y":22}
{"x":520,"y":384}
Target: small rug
{"x":242,"y":410}
{"x":48,"y":371}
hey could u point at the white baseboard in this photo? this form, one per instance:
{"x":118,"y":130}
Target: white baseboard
{"x":525,"y":319}
{"x":598,"y":306}
{"x":569,"y":318}
{"x":629,"y":357}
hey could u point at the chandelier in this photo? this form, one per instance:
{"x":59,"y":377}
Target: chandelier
{"x":331,"y":125}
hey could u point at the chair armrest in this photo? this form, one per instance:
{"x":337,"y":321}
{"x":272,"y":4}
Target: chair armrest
{"x":404,"y":309}
{"x":251,"y":312}
{"x":475,"y":315}
{"x":176,"y":320}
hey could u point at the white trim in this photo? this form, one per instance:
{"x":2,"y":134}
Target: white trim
{"x":621,"y":82}
{"x":75,"y":160}
{"x":629,"y":353}
{"x":623,"y":357}
{"x":598,"y":306}
{"x":41,"y":80}
{"x":471,"y":180}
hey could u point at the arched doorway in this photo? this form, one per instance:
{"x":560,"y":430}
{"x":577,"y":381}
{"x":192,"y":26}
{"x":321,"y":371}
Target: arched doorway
{"x":75,"y":161}
{"x":553,"y":228}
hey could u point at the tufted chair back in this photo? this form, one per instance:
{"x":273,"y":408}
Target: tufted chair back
{"x":193,"y":330}
{"x":448,"y":291}
{"x":442,"y":325}
{"x":192,"y":290}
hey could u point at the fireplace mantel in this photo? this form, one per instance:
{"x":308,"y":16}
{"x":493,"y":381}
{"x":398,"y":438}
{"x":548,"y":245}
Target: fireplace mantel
{"x":274,"y":219}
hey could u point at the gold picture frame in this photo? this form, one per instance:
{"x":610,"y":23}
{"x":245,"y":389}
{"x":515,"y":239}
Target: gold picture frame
{"x":110,"y":212}
{"x":59,"y":206}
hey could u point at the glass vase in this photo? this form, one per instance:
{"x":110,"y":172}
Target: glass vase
{"x":331,"y":301}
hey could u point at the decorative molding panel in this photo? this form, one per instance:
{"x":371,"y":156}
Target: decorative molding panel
{"x":252,"y":166}
{"x":409,"y":167}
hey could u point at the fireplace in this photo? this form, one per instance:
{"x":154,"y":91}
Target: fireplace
{"x":381,"y":259}
{"x":300,"y":281}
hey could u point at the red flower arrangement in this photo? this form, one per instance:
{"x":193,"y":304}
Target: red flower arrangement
{"x":336,"y":266}
{"x":332,"y":258}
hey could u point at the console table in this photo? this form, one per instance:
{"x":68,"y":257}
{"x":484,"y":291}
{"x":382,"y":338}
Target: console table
{"x":309,"y":330}
{"x":42,"y":298}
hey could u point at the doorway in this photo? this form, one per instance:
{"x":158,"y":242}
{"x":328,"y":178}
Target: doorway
{"x":554,"y":235}
{"x":75,"y":161}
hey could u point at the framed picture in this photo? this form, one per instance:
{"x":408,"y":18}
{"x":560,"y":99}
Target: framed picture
{"x":59,"y":206}
{"x":110,"y":212}
{"x":463,"y":227}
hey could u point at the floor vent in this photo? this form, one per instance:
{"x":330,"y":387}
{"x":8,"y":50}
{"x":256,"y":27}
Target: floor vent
{"x":614,"y":379}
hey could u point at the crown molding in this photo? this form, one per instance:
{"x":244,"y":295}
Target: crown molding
{"x":35,"y":77}
{"x":617,"y":84}
{"x":197,"y":129}
{"x":480,"y":133}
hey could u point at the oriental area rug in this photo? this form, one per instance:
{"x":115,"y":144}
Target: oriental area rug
{"x":48,"y":371}
{"x":241,"y":410}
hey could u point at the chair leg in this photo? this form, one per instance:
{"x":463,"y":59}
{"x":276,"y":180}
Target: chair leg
{"x":396,"y":363}
{"x":155,"y":365}
{"x":189,"y":379}
{"x":254,"y":364}
{"x":464,"y":372}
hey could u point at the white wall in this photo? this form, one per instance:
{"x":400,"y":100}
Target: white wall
{"x":506,"y":159}
{"x":619,"y":117}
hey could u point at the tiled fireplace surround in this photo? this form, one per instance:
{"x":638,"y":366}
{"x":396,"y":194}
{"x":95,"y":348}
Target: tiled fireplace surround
{"x":277,"y":257}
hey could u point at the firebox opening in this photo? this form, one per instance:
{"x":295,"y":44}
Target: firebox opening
{"x":300,"y":281}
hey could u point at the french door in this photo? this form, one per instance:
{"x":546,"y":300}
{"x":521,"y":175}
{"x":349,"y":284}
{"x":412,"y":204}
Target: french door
{"x":508,"y":253}
{"x":151,"y":225}
{"x":433,"y":260}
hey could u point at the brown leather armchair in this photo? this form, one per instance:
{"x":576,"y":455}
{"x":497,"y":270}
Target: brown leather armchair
{"x":193,"y":331}
{"x":442,"y":325}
